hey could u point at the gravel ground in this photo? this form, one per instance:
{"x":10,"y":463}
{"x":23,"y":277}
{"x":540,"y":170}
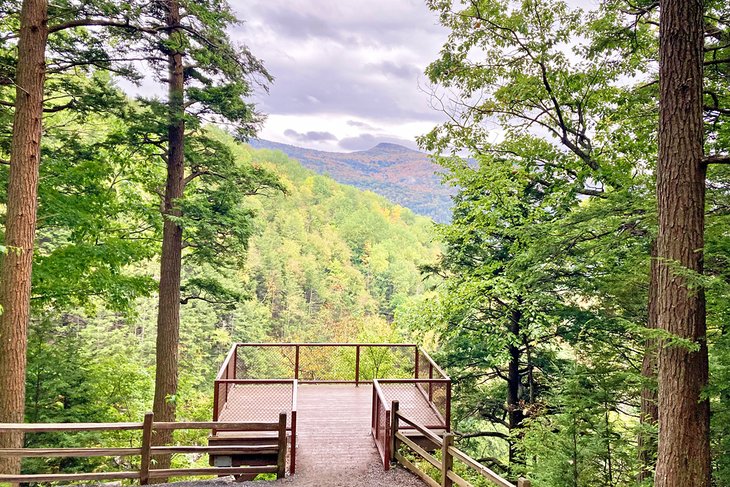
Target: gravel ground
{"x":373,"y":476}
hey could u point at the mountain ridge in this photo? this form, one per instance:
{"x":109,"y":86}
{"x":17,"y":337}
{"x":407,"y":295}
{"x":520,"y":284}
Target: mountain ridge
{"x":405,"y":176}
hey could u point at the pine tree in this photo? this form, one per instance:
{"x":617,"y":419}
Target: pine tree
{"x":684,"y":414}
{"x":20,"y":222}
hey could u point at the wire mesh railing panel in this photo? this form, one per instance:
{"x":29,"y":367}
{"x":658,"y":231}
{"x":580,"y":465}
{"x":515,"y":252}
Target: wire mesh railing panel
{"x":386,"y":362}
{"x":381,"y":427}
{"x":416,"y":401}
{"x":327,"y":363}
{"x":256,"y":401}
{"x":265,"y":362}
{"x":425,"y":370}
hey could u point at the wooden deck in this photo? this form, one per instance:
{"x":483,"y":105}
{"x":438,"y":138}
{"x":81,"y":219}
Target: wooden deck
{"x":333,"y":420}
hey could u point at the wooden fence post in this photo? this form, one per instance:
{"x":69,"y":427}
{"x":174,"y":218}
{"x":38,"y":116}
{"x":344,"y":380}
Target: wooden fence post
{"x":522,"y":482}
{"x":281,"y":460}
{"x":144,"y":467}
{"x":447,"y":460}
{"x":393,"y":430}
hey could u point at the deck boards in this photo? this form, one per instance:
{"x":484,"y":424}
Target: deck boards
{"x":333,"y":420}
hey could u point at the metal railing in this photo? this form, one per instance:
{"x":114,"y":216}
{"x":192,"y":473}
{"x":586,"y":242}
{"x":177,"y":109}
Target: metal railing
{"x":266,"y":371}
{"x":277,"y":395}
{"x":145,"y":451}
{"x":325,"y":362}
{"x":380,"y":424}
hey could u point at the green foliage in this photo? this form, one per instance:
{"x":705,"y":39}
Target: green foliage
{"x":555,"y":218}
{"x":325,"y":262}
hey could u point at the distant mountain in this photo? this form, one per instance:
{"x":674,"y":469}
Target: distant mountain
{"x":404,"y":176}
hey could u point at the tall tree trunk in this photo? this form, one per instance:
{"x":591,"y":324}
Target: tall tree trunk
{"x":649,"y":415}
{"x":168,"y":318}
{"x":20,"y":221}
{"x":684,"y":446}
{"x":515,"y":413}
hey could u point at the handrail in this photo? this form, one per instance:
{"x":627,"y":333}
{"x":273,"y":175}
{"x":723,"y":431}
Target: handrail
{"x":382,"y":440}
{"x":414,"y":381}
{"x":434,"y":364}
{"x":448,"y":454}
{"x":226,"y":362}
{"x":433,"y":437}
{"x":379,"y":391}
{"x":53,"y":427}
{"x":146,"y":449}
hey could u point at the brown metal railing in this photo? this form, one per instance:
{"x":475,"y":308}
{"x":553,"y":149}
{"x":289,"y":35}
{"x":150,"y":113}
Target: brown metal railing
{"x":146,"y":450}
{"x":281,"y":396}
{"x":324,"y":362}
{"x":380,"y":424}
{"x":397,"y":371}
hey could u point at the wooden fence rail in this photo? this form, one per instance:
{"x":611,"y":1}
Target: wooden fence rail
{"x":146,"y":450}
{"x":448,"y":453}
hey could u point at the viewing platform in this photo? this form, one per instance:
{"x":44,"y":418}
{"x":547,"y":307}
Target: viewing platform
{"x":338,"y":399}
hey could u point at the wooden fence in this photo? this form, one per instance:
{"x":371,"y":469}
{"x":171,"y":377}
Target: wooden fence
{"x":146,"y":450}
{"x":448,"y":453}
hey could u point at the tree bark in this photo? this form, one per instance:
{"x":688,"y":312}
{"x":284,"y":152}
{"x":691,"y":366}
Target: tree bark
{"x":649,"y":415}
{"x":516,"y":415}
{"x":168,"y":318}
{"x":684,"y":447}
{"x":20,"y":223}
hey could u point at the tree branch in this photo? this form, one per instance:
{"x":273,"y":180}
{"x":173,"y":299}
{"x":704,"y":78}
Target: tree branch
{"x":716,"y":159}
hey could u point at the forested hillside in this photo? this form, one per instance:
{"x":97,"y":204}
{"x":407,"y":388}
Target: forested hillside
{"x":404,"y":176}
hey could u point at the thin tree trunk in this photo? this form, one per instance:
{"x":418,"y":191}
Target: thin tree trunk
{"x":168,"y":319}
{"x":649,"y":415}
{"x":684,"y":446}
{"x":22,"y":204}
{"x":515,"y":414}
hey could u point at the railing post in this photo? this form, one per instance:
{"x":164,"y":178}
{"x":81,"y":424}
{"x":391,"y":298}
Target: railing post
{"x":293,"y":461}
{"x":296,"y":362}
{"x":430,"y":384}
{"x":415,"y":373}
{"x":235,"y":362}
{"x":386,"y":440}
{"x":357,"y":366}
{"x":215,"y":400}
{"x":393,"y":430}
{"x":281,"y":460}
{"x":522,"y":482}
{"x":447,"y":416}
{"x":144,"y":466}
{"x":447,"y":460}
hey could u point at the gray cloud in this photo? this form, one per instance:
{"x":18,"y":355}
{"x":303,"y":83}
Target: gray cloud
{"x":403,"y":71}
{"x":367,"y":141}
{"x":362,"y":59}
{"x":359,"y":124}
{"x":309,"y":136}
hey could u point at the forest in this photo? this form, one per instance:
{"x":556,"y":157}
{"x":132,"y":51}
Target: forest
{"x":578,"y":297}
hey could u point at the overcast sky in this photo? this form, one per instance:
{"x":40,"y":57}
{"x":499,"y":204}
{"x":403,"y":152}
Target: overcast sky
{"x":349,"y":73}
